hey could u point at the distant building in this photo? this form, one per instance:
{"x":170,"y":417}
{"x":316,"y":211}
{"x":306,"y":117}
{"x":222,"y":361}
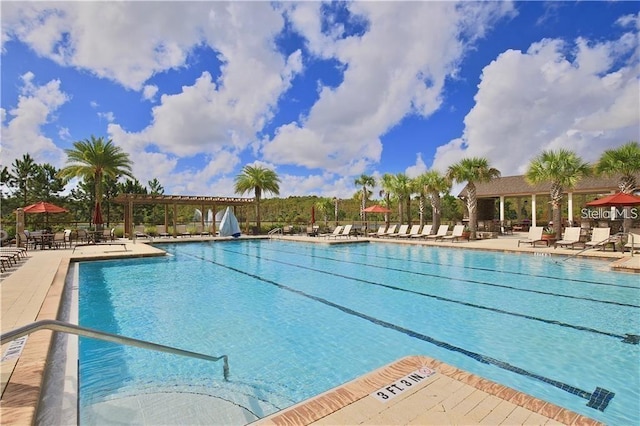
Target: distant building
{"x":530,"y":203}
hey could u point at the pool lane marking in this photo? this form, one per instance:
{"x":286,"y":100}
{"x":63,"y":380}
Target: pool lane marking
{"x":477,"y":268}
{"x":546,"y":293}
{"x":598,"y":399}
{"x":627,"y":338}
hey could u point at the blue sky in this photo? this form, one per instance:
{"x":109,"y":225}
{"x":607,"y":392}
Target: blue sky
{"x":320,"y":92}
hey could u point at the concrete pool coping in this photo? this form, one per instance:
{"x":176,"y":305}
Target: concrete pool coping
{"x":33,"y":292}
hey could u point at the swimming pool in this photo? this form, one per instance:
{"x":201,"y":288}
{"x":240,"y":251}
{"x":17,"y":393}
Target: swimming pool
{"x":297,"y":319}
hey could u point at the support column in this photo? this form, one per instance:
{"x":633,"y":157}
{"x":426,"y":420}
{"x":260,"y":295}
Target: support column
{"x":501,"y":210}
{"x":570,"y":208}
{"x":533,"y":210}
{"x":175,"y":225}
{"x":128,"y":219}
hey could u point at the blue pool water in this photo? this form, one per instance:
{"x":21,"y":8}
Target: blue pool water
{"x":297,"y":319}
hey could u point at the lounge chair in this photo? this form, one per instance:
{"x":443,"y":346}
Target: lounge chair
{"x":402,"y":231}
{"x":139,"y":231}
{"x":426,"y":231}
{"x":162,"y":231}
{"x":458,"y":230}
{"x":182,"y":231}
{"x":633,"y":242}
{"x":381,"y":231}
{"x":415,"y":230}
{"x":442,"y":231}
{"x":390,"y":231}
{"x":600,"y":238}
{"x":336,"y":231}
{"x":346,"y":232}
{"x":570,"y":238}
{"x":534,"y":237}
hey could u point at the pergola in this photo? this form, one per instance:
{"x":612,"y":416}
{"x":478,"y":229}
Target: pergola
{"x":129,"y":200}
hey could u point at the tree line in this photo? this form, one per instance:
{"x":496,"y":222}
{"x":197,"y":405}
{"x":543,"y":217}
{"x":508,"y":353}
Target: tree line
{"x":103,"y":171}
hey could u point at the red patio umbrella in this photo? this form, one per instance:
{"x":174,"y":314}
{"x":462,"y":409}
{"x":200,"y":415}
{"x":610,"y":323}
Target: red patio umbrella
{"x":619,"y":199}
{"x":46,"y":208}
{"x":376,"y":209}
{"x":97,"y":215}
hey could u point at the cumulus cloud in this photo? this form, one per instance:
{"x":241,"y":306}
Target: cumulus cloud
{"x":22,"y":124}
{"x":546,"y":99}
{"x":342,"y":131}
{"x":149,"y":92}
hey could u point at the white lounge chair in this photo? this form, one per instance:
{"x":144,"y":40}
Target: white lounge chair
{"x":600,"y":238}
{"x":426,"y":230}
{"x":336,"y":231}
{"x":381,"y":231}
{"x":458,"y":230}
{"x":633,"y":242}
{"x":346,"y":232}
{"x":415,"y":230}
{"x":534,"y":236}
{"x":402,"y":231}
{"x":570,"y":238}
{"x":442,"y":231}
{"x":391,"y":230}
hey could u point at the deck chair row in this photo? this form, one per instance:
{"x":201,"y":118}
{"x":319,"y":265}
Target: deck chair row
{"x":600,"y":238}
{"x":426,"y":232}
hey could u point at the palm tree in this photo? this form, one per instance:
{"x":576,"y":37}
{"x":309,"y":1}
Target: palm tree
{"x":96,"y":159}
{"x":364,"y":181}
{"x":433,"y":184}
{"x":260,"y":180}
{"x":563,"y":168}
{"x":403,"y":187}
{"x":386,"y":182}
{"x":324,"y":207}
{"x":623,"y":161}
{"x":472,"y":170}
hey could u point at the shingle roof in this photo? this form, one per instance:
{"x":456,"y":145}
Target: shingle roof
{"x":511,"y":186}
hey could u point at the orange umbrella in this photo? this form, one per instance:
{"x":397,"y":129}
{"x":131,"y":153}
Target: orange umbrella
{"x":619,"y":199}
{"x":376,"y":209}
{"x":46,"y":208}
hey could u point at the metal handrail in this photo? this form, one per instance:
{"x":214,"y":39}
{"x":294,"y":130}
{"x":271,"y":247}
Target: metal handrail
{"x":276,"y":231}
{"x":108,"y":337}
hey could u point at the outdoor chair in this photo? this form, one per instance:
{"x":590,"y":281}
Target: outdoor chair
{"x":426,"y":231}
{"x":570,"y":238}
{"x":600,"y":238}
{"x":534,"y":237}
{"x":442,"y":231}
{"x":415,"y":230}
{"x":457,"y":234}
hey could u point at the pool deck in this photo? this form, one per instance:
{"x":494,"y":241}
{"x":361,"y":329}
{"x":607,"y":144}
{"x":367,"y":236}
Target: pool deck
{"x":32,"y":291}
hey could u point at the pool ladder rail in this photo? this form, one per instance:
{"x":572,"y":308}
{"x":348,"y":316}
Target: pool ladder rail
{"x":275,"y":231}
{"x":64,"y":327}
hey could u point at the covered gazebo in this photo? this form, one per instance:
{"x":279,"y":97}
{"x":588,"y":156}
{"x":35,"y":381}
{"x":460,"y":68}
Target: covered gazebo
{"x":129,"y":200}
{"x":527,"y":196}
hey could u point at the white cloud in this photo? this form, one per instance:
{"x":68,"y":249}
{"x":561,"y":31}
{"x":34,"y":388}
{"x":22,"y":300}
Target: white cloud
{"x":22,"y":125}
{"x":149,"y":92}
{"x":541,"y":99}
{"x":418,"y":168}
{"x":108,"y":116}
{"x":343,"y":128}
